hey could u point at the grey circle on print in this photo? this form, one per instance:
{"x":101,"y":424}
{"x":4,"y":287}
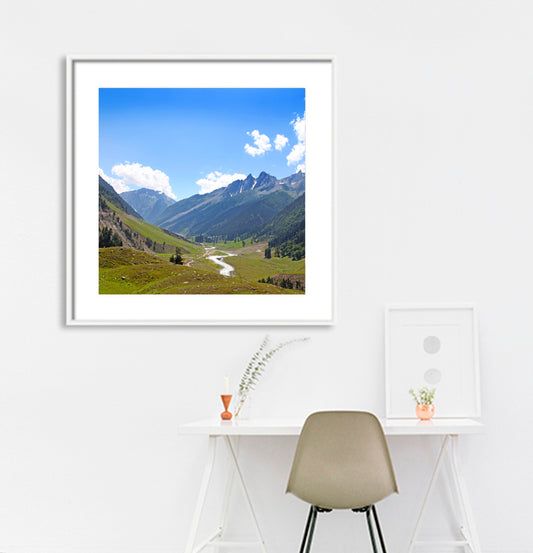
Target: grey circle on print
{"x":431,"y":344}
{"x":432,"y":376}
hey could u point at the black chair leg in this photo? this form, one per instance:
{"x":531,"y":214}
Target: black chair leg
{"x":369,"y":511}
{"x":371,"y":531}
{"x":306,"y":532}
{"x":380,"y":534}
{"x":311,"y":529}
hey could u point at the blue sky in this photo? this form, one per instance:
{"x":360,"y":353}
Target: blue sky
{"x":185,"y":141}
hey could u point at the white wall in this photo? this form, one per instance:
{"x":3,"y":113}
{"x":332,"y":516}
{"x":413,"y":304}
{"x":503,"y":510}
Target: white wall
{"x":435,"y":119}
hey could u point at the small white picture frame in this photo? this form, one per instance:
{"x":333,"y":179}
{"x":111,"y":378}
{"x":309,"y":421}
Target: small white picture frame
{"x":434,"y":346}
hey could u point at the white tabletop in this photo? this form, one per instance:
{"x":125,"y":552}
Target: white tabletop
{"x":292,"y":427}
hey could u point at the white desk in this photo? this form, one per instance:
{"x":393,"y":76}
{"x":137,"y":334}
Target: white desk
{"x":230,"y":431}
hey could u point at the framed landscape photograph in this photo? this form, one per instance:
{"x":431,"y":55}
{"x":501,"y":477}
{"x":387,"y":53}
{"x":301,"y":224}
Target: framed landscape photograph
{"x":199,"y":190}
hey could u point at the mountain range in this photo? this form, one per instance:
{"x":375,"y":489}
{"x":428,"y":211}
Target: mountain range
{"x":149,"y":203}
{"x":263,"y":208}
{"x":237,"y":210}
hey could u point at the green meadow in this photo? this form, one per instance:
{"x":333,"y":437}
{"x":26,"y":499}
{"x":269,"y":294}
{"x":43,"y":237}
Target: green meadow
{"x":129,"y":271}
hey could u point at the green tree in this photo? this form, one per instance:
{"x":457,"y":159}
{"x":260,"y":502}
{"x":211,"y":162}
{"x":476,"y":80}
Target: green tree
{"x":177,"y":258}
{"x":108,"y":239}
{"x":115,"y":240}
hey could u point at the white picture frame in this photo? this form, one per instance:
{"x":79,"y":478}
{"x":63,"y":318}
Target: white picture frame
{"x":85,"y":75}
{"x":435,"y":346}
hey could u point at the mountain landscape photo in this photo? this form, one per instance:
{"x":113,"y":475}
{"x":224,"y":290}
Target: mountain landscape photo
{"x":197,"y":220}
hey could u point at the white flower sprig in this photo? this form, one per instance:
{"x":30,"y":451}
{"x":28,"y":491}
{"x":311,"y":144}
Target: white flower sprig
{"x":256,"y":367}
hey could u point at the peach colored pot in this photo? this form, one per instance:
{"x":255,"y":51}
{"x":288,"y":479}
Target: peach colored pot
{"x":425,"y":412}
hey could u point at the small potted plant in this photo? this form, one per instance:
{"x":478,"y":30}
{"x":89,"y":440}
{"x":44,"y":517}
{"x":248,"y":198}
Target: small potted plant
{"x":424,"y":402}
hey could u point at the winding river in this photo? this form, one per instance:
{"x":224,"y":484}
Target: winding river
{"x":227,"y":269}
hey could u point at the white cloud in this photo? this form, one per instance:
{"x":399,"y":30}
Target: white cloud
{"x":297,"y":153}
{"x":261,"y":141}
{"x":117,"y":184}
{"x":143,"y":177}
{"x":299,"y":127}
{"x":280,"y":142}
{"x":216,"y":180}
{"x":301,"y":168}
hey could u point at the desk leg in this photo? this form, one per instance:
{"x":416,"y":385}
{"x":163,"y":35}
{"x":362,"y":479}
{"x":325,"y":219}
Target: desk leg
{"x":202,"y":494}
{"x":442,"y":451}
{"x":227,"y":493}
{"x":470,"y":532}
{"x":245,"y":491}
{"x":466,"y":519}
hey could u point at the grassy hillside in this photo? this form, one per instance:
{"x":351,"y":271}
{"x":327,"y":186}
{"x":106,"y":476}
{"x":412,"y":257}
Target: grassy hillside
{"x":159,"y":235}
{"x":111,"y":258}
{"x":116,"y":215}
{"x":107,"y":192}
{"x":129,"y":271}
{"x":286,"y":230}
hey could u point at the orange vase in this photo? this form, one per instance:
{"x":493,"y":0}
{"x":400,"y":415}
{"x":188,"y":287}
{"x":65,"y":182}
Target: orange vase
{"x":226,"y":415}
{"x":425,"y":412}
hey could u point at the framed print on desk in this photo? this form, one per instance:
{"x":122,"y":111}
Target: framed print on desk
{"x":199,"y":190}
{"x":435,"y":346}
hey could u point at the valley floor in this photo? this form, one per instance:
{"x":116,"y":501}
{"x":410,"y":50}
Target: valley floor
{"x":130,"y":271}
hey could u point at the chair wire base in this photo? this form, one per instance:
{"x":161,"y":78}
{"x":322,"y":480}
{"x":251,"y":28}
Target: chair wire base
{"x":369,"y":510}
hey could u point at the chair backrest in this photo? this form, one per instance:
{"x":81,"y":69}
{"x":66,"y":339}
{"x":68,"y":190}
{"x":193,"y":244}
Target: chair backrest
{"x":342,"y":461}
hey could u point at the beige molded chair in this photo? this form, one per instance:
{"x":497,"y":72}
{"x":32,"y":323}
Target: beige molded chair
{"x":342,"y":462}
